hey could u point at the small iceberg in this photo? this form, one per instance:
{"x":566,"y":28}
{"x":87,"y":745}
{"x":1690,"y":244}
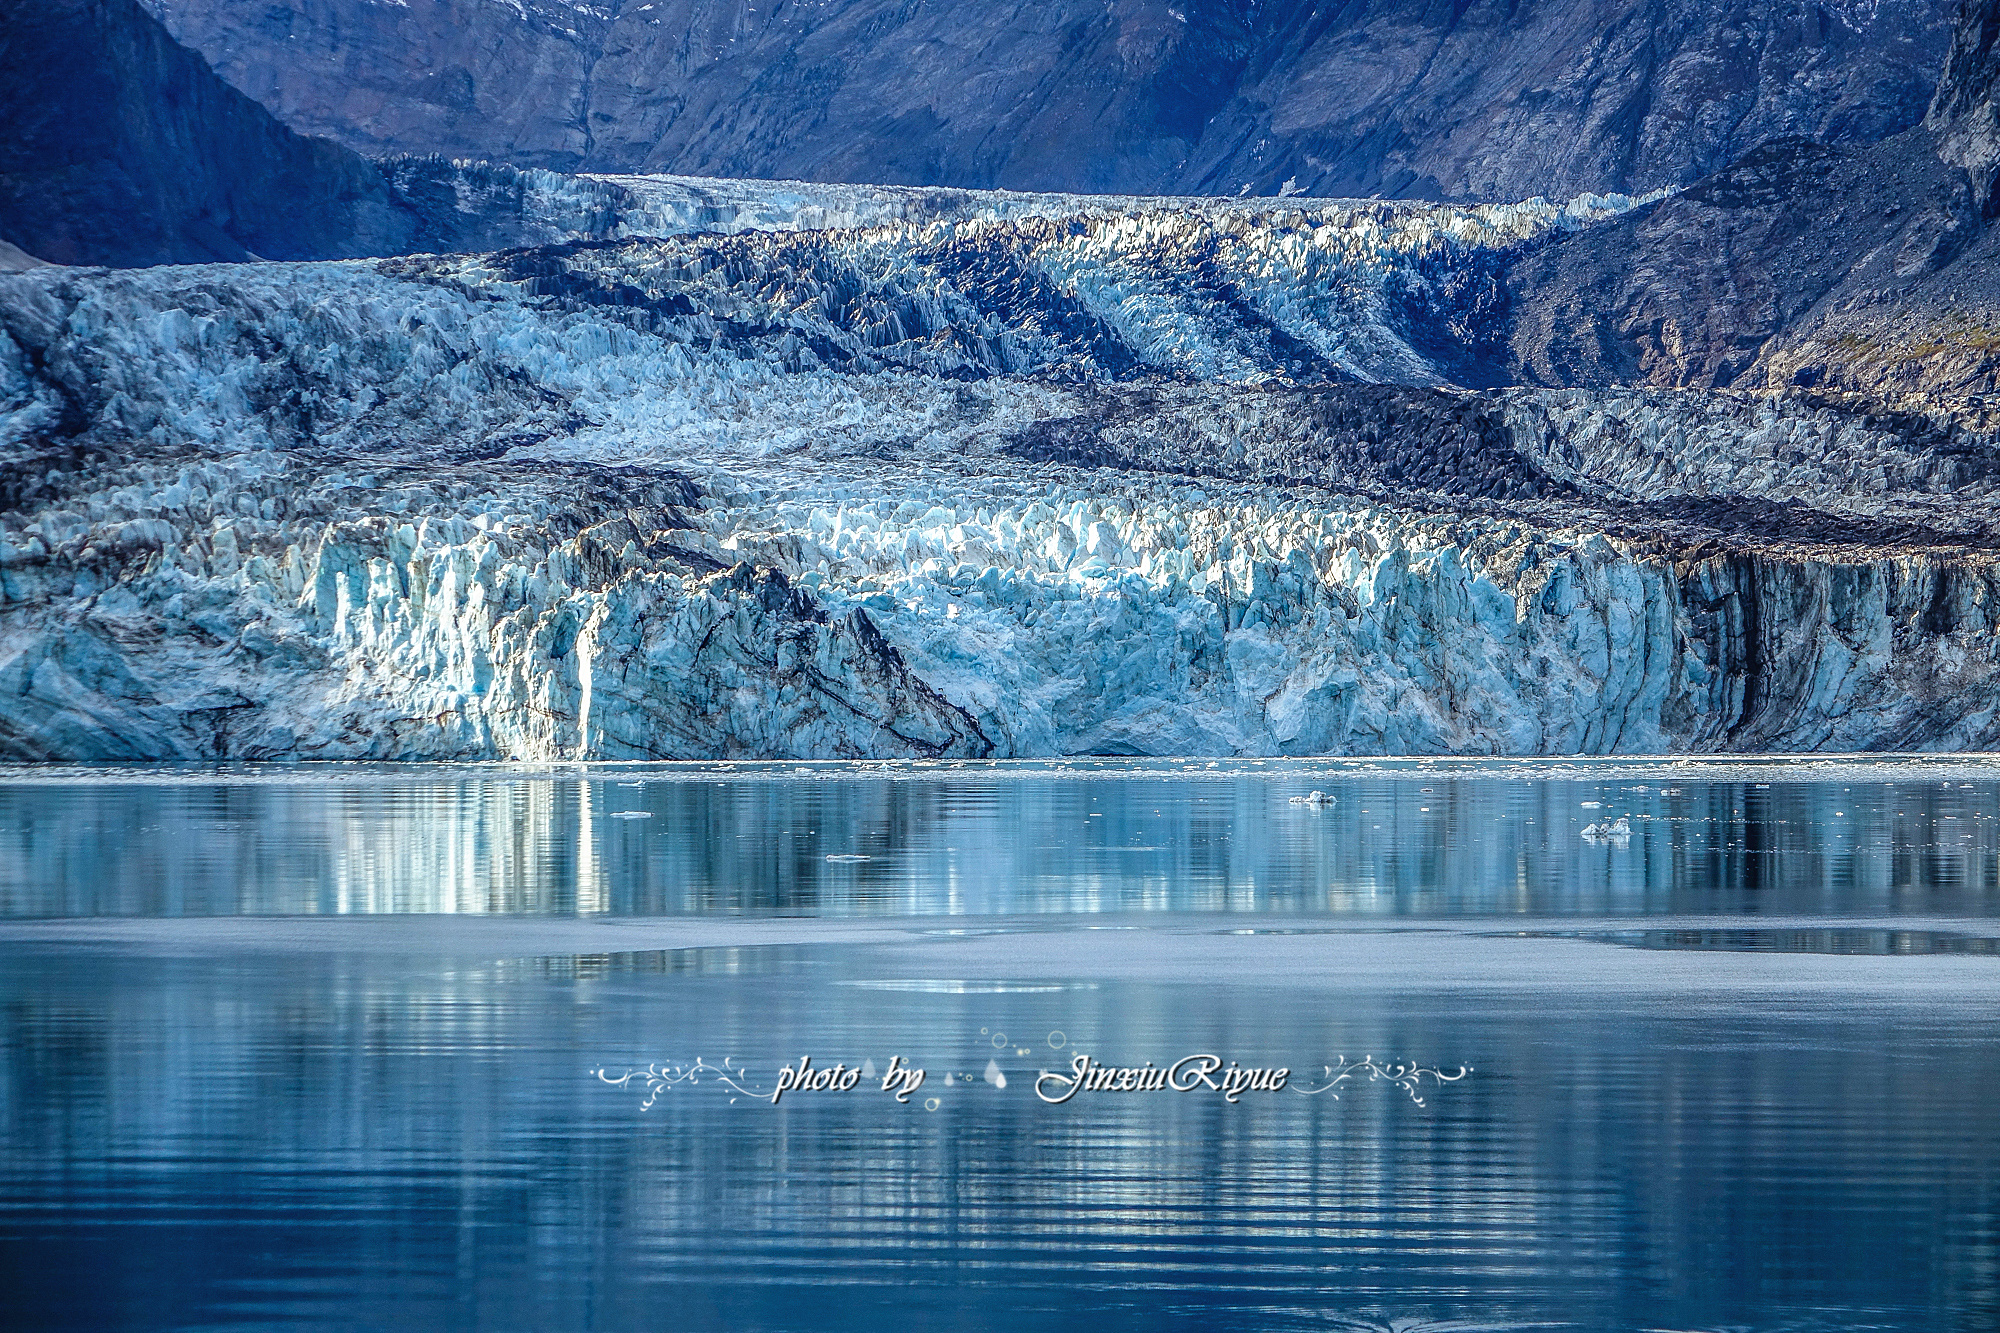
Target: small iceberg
{"x":847,"y":858}
{"x":1314,"y":798}
{"x":631,"y":814}
{"x":1617,"y":831}
{"x":993,"y":1074}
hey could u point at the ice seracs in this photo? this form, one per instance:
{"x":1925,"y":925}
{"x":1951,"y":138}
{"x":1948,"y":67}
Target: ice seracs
{"x":1098,"y":481}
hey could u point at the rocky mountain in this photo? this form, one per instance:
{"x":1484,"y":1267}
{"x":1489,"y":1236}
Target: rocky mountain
{"x":1965,"y":112}
{"x":122,"y":147}
{"x":1504,"y":99}
{"x":1801,"y":265}
{"x":1459,"y":99}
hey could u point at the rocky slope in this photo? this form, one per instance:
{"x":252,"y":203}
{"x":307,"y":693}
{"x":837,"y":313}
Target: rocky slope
{"x":1787,"y":268}
{"x":121,"y":147}
{"x":1477,"y":99}
{"x":1964,"y":114}
{"x":1084,"y":481}
{"x":1869,"y":270}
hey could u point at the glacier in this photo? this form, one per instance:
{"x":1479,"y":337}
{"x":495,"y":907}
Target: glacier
{"x":693,"y":470}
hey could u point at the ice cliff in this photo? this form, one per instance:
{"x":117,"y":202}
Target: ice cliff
{"x":979,"y":476}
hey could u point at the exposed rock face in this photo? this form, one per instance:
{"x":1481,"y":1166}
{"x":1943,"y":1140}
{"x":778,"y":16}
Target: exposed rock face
{"x":1502,"y":99}
{"x":122,"y":147}
{"x":1481,"y":99}
{"x":1717,"y":285}
{"x":1964,"y":114}
{"x":951,"y":488}
{"x":1861,"y":270}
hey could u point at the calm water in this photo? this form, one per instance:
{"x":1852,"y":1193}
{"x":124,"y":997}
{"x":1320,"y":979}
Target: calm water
{"x":1738,"y":1070}
{"x":822,"y":840}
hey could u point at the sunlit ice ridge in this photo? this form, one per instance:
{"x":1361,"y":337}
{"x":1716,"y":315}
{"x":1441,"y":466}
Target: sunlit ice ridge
{"x":751,"y":471}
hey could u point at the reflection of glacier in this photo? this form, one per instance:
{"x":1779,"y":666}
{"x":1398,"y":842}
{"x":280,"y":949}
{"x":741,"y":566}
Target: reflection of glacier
{"x":957,"y":478}
{"x":972,"y":844}
{"x":451,"y":1127}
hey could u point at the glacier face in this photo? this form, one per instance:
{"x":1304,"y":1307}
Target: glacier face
{"x":974,"y":476}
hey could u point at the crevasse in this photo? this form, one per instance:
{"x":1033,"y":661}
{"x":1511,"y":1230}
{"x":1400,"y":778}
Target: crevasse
{"x":1088,"y":477}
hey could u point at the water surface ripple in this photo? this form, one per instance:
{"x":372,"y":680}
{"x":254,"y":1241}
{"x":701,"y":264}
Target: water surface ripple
{"x":312,"y":1051}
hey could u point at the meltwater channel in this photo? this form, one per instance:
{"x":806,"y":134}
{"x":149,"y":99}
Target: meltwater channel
{"x":348,"y":1048}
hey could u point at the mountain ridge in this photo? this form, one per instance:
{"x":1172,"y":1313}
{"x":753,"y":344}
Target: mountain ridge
{"x":1475,"y":99}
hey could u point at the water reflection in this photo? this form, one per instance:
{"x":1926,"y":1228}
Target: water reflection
{"x":1810,"y":939}
{"x":986,"y":842}
{"x":347,"y":1142}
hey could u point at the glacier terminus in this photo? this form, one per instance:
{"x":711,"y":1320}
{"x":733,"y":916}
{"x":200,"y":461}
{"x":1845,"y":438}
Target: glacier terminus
{"x":712,"y":469}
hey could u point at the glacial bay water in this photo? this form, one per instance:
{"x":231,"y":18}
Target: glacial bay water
{"x":342,"y":1048}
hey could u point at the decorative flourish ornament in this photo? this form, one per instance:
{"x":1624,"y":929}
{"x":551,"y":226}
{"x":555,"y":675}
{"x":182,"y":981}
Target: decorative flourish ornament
{"x":1408,"y":1077}
{"x":657,"y":1078}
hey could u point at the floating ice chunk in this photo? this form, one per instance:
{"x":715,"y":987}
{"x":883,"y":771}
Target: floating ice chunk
{"x":1314,"y":798}
{"x":993,"y":1074}
{"x":1617,"y":832}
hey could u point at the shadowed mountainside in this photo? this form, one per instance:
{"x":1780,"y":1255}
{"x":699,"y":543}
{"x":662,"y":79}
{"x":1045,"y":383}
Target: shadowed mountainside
{"x":1464,"y":99}
{"x":1801,"y":265}
{"x":122,"y":147}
